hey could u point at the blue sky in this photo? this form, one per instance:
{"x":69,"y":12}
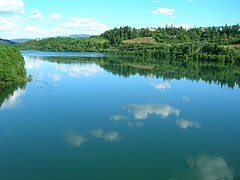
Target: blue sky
{"x":45,"y":18}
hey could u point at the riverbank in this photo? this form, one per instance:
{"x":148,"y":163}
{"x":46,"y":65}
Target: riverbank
{"x":12,"y":69}
{"x":211,"y":44}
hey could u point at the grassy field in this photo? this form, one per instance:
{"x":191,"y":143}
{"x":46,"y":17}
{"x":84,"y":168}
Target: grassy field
{"x":141,"y":40}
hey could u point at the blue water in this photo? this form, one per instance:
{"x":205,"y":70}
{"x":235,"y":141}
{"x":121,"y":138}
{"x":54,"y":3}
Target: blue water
{"x":78,"y":121}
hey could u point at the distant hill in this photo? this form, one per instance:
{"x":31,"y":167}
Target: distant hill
{"x":22,"y":40}
{"x":79,"y":36}
{"x":5,"y":41}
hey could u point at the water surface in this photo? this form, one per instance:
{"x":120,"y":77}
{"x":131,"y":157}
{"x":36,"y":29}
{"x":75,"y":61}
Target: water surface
{"x":88,"y":117}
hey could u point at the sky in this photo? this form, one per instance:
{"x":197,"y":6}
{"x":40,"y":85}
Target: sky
{"x":48,"y":18}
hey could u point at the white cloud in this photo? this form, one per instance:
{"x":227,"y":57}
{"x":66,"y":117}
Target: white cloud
{"x":164,"y":85}
{"x":9,"y":23}
{"x":8,"y":26}
{"x":81,"y":25}
{"x":189,"y":0}
{"x":55,"y":77}
{"x":97,"y":133}
{"x":118,"y":117}
{"x":80,"y":70}
{"x":112,"y":136}
{"x":211,"y":167}
{"x":143,"y":111}
{"x":36,"y":15}
{"x":185,"y":124}
{"x":75,"y":139}
{"x":166,"y":11}
{"x":54,"y":16}
{"x":13,"y":100}
{"x":11,"y":6}
{"x":33,"y":29}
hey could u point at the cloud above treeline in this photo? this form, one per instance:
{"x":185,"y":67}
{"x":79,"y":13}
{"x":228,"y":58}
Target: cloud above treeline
{"x":36,"y":15}
{"x":165,"y":11}
{"x":16,"y":22}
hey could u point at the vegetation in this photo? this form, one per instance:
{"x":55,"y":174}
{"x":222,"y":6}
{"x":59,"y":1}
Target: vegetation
{"x":66,"y":44}
{"x":11,"y":66}
{"x":213,"y":44}
{"x":168,"y":69}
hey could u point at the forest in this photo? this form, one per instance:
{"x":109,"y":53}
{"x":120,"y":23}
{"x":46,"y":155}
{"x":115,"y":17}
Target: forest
{"x":211,"y":44}
{"x":12,"y":69}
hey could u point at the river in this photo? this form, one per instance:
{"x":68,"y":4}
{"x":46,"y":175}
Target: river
{"x":87,"y":119}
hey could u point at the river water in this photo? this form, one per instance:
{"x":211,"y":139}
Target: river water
{"x":88,"y":120}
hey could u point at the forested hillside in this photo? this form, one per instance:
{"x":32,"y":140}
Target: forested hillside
{"x":215,"y":44}
{"x":66,"y":44}
{"x":172,"y":35}
{"x":12,"y":69}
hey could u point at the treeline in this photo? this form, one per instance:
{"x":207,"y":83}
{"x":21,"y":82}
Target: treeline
{"x":66,"y":44}
{"x":172,"y":35}
{"x":117,"y":35}
{"x":12,"y":69}
{"x":211,"y":52}
{"x":214,"y":44}
{"x":168,"y":69}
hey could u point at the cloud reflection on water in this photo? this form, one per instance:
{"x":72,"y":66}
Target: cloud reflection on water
{"x":161,"y":86}
{"x":211,"y":167}
{"x":13,"y":100}
{"x":33,"y":64}
{"x":142,"y":111}
{"x":112,"y":136}
{"x":55,"y":77}
{"x":75,"y":71}
{"x":119,"y":117}
{"x":107,"y":136}
{"x":185,"y":124}
{"x":97,"y":133}
{"x":75,"y":139}
{"x":135,"y":124}
{"x":185,"y":99}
